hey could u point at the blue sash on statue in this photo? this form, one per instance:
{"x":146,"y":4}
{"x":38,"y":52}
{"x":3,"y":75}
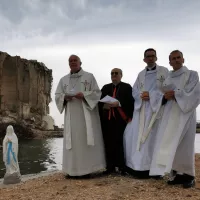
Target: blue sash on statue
{"x":10,"y":151}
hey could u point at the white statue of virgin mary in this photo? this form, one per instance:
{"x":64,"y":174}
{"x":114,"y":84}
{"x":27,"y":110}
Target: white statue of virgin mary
{"x":10,"y":157}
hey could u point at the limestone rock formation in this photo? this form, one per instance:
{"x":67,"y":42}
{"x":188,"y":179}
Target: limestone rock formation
{"x":25,"y":91}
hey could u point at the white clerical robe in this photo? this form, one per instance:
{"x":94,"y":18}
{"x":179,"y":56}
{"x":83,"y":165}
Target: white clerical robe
{"x":83,"y":148}
{"x":140,"y":133}
{"x":174,"y":148}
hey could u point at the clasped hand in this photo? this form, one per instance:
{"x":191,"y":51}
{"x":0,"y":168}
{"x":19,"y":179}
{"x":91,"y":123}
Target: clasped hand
{"x":169,"y":95}
{"x":107,"y":106}
{"x":77,"y":96}
{"x":145,"y":96}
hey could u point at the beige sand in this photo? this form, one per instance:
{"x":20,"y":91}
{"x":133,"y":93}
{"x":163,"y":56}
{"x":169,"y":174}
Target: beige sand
{"x":56,"y":187}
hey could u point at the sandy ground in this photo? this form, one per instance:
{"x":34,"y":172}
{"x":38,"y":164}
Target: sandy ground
{"x":114,"y":187}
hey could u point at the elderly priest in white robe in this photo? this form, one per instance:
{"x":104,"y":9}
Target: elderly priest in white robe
{"x":174,"y":149}
{"x":140,"y":134}
{"x":77,"y":94}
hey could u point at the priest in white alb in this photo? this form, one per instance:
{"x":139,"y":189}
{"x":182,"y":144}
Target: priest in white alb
{"x":77,"y":94}
{"x":174,"y":148}
{"x":140,"y":133}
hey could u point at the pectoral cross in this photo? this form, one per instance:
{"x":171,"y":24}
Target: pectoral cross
{"x":161,"y":79}
{"x":141,"y":86}
{"x":85,"y":83}
{"x":65,"y":87}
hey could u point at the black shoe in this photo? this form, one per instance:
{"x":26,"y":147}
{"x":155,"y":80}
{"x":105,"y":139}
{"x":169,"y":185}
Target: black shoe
{"x":189,"y":184}
{"x":130,"y":171}
{"x":179,"y":179}
{"x":69,"y":177}
{"x":87,"y":176}
{"x":142,"y":174}
{"x":122,"y":172}
{"x":109,"y":171}
{"x":156,"y":177}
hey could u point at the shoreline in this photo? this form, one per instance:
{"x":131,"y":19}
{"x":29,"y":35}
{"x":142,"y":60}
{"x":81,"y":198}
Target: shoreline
{"x":28,"y":177}
{"x":39,"y":136}
{"x":48,"y":135}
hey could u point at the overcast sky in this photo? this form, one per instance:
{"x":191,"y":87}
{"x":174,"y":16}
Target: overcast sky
{"x":104,"y":33}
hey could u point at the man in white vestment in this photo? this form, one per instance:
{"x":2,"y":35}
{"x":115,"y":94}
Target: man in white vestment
{"x":140,"y":133}
{"x":174,"y":149}
{"x":77,"y":94}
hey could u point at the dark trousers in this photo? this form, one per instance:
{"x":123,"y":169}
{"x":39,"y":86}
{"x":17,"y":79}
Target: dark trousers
{"x":113,"y":131}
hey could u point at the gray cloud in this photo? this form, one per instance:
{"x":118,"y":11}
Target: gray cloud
{"x":102,"y":20}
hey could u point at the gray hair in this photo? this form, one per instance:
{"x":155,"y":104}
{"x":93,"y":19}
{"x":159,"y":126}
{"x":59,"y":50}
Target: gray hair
{"x":175,"y":51}
{"x":76,"y":57}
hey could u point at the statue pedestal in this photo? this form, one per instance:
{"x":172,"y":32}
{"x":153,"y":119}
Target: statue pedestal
{"x":12,"y":178}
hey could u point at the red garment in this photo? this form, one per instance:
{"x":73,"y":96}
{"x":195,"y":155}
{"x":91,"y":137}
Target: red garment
{"x":121,"y":112}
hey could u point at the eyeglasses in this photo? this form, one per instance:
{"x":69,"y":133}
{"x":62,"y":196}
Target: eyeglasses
{"x":150,"y":56}
{"x":175,"y":58}
{"x":114,"y":73}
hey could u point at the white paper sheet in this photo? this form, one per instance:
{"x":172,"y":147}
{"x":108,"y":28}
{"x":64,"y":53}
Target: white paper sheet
{"x":71,"y":94}
{"x":108,"y":99}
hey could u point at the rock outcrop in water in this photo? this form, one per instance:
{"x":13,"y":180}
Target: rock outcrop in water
{"x":25,"y":92}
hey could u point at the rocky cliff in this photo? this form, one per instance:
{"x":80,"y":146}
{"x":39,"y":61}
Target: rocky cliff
{"x":25,"y":92}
